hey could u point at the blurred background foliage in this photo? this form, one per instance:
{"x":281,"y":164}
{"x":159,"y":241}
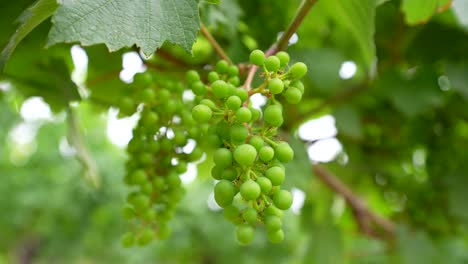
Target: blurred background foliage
{"x":391,"y":77}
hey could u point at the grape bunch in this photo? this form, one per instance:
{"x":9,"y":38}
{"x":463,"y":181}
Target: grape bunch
{"x":249,"y":155}
{"x":157,"y":157}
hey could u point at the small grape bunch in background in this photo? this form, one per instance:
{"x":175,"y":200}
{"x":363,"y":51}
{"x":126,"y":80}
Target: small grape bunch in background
{"x":248,"y":154}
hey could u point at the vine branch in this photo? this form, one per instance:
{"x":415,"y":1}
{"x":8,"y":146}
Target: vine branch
{"x":283,"y":41}
{"x":215,"y":44}
{"x":364,"y":216}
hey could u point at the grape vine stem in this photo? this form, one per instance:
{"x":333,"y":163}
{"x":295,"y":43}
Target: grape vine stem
{"x":214,"y":43}
{"x":283,"y":41}
{"x":364,"y":216}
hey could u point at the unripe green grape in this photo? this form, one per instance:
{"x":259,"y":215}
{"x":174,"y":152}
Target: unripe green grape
{"x":298,"y":70}
{"x":142,"y":79}
{"x":222,"y":66}
{"x":242,"y":93}
{"x":234,"y":81}
{"x":198,"y":88}
{"x":173,"y":180}
{"x":146,"y":188}
{"x":140,"y":202}
{"x":153,"y":146}
{"x":164,"y":231}
{"x":282,"y":199}
{"x":217,"y":172}
{"x":166,"y":145}
{"x":272,"y":63}
{"x":276,"y":175}
{"x":222,"y":157}
{"x":201,"y":113}
{"x":208,"y":103}
{"x":273,"y":223}
{"x":146,"y":236}
{"x":192,"y":76}
{"x":148,"y":95}
{"x":231,"y":89}
{"x":298,"y":84}
{"x":180,"y":139}
{"x":293,"y":95}
{"x":273,"y":115}
{"x":138,"y":177}
{"x":233,"y":70}
{"x":231,"y":212}
{"x":245,"y":234}
{"x":276,"y":236}
{"x":283,"y":57}
{"x":213,"y":140}
{"x":224,"y":193}
{"x":213,"y":76}
{"x":128,"y":213}
{"x":245,"y":155}
{"x":284,"y":152}
{"x":150,"y":118}
{"x":257,"y":57}
{"x":223,"y":129}
{"x":233,"y":102}
{"x":266,"y":153}
{"x":149,"y":215}
{"x":276,"y":86}
{"x":145,"y":158}
{"x":255,"y":113}
{"x":257,"y":142}
{"x":230,"y":174}
{"x":265,"y":184}
{"x":250,"y":215}
{"x":196,"y":154}
{"x":239,"y":133}
{"x":181,"y":167}
{"x":127,"y":106}
{"x":158,"y":183}
{"x":243,"y":115}
{"x":164,"y":95}
{"x":220,"y":89}
{"x":128,"y":240}
{"x":272,"y":210}
{"x":250,"y":190}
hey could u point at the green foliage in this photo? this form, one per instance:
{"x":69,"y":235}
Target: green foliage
{"x":401,"y":121}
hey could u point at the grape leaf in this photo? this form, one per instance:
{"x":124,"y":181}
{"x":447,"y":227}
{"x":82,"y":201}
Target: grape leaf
{"x":29,"y":19}
{"x":420,"y":11}
{"x":358,"y":16}
{"x":121,"y":23}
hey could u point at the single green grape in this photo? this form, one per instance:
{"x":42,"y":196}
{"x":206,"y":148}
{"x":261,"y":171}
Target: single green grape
{"x":242,"y":93}
{"x":233,"y":102}
{"x":128,"y":240}
{"x":266,"y":153}
{"x":217,"y":172}
{"x":257,"y":57}
{"x":282,"y":199}
{"x":201,"y":113}
{"x":273,"y":115}
{"x":243,"y":115}
{"x":222,"y":157}
{"x":273,"y":223}
{"x":265,"y":184}
{"x":233,"y":71}
{"x":298,"y":84}
{"x":245,"y":155}
{"x":198,"y":88}
{"x":284,"y":152}
{"x":257,"y":142}
{"x":245,"y":234}
{"x":276,"y":86}
{"x":138,"y":177}
{"x":230,"y":174}
{"x":283,"y":57}
{"x":293,"y":95}
{"x":148,"y":95}
{"x":192,"y":76}
{"x":146,"y":236}
{"x":276,"y":236}
{"x":250,"y":215}
{"x":272,"y":63}
{"x":213,"y":76}
{"x":222,"y":66}
{"x":250,"y":190}
{"x":224,"y":193}
{"x":276,"y":175}
{"x":220,"y":89}
{"x":231,"y":212}
{"x":239,"y":133}
{"x":128,"y":213}
{"x":298,"y":70}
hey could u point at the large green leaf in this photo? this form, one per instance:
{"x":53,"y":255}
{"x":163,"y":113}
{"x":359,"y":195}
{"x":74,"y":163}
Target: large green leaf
{"x":31,"y":18}
{"x":420,"y":11}
{"x":121,"y":23}
{"x":358,"y":16}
